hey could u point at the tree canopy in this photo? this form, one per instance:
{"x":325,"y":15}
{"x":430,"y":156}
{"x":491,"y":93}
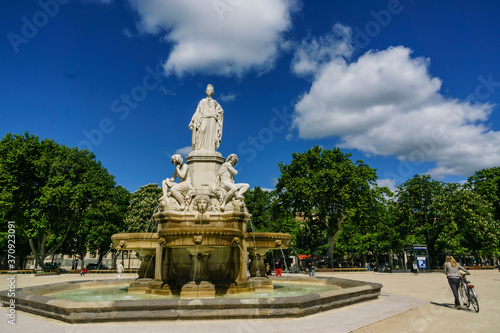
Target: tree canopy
{"x":326,"y":188}
{"x":448,"y":217}
{"x":47,"y":189}
{"x":143,"y":203}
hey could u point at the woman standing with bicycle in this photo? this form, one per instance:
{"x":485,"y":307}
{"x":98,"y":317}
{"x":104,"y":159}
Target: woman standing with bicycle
{"x":452,"y":271}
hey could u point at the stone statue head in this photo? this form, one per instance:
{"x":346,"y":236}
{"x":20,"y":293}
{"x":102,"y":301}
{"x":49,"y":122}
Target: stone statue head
{"x":233,"y":159}
{"x":210,"y":90}
{"x":202,"y":203}
{"x":177,"y":159}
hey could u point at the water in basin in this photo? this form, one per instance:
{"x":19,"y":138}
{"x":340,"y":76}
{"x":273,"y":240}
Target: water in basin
{"x":121,"y":293}
{"x":286,"y":290}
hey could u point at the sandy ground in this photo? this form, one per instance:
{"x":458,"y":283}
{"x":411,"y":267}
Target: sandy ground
{"x":437,"y":313}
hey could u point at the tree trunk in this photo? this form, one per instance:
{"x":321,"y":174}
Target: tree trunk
{"x":40,"y":252}
{"x":331,"y":242}
{"x":331,"y":247}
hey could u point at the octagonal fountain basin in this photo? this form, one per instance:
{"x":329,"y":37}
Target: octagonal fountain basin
{"x":329,"y":293}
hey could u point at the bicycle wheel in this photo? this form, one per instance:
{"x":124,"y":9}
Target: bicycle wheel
{"x":463,"y":294}
{"x":473,"y":300}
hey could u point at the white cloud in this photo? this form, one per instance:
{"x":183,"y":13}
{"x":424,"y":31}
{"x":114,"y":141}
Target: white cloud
{"x":387,"y":103}
{"x":227,"y":97}
{"x":217,"y":37}
{"x":312,"y":53}
{"x":389,"y":183}
{"x":127,"y":33}
{"x":184,"y":151}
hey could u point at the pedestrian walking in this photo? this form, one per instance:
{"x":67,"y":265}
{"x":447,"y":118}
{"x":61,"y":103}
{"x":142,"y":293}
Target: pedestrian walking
{"x":415,"y":268}
{"x":452,"y":271}
{"x":278,"y":267}
{"x":119,"y":269}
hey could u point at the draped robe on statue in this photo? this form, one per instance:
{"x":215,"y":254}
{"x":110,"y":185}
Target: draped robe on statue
{"x":206,"y":125}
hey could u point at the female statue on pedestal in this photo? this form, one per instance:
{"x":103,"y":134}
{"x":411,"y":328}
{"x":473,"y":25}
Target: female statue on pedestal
{"x":206,"y":123}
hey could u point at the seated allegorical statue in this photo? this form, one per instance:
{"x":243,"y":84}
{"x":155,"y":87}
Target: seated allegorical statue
{"x":179,"y":190}
{"x":225,"y":187}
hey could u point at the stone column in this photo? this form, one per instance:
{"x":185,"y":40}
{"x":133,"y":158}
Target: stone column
{"x":257,"y":267}
{"x":258,"y":278}
{"x":156,"y":285}
{"x":145,"y":274}
{"x":242,"y":283}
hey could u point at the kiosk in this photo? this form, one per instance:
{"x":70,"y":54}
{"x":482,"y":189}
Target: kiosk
{"x":419,"y":254}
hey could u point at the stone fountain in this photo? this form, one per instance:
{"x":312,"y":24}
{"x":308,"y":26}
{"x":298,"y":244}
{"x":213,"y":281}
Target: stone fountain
{"x":202,"y":244}
{"x":201,"y":250}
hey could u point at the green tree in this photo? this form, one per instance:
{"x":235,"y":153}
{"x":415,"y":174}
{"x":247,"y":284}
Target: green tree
{"x":143,"y":203}
{"x":105,"y":219}
{"x":98,"y":224}
{"x":419,"y":220}
{"x":486,"y":182}
{"x":469,"y":221}
{"x":325,"y":187}
{"x":310,"y":238}
{"x":259,"y":204}
{"x":46,"y":188}
{"x":370,"y":228}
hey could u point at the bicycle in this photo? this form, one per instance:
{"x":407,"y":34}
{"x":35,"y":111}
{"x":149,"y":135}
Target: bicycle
{"x":468,"y":294}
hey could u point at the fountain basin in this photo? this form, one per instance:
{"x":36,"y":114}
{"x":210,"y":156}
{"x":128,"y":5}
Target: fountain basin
{"x":145,"y":245}
{"x":35,"y":300}
{"x":192,"y":237}
{"x":140,"y":242}
{"x":265,"y":241}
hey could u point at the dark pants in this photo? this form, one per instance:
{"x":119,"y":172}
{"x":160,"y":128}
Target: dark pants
{"x":454,"y":285}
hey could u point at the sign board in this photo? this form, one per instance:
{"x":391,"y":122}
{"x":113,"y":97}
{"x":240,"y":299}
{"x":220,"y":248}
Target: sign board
{"x":422,"y":262}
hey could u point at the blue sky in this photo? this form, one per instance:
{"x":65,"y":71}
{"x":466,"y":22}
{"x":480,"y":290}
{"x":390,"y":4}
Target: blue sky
{"x":407,"y":86}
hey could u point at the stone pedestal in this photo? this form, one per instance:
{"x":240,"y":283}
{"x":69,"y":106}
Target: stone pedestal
{"x":262,"y":283}
{"x":198,"y":289}
{"x":203,"y":166}
{"x":160,"y":288}
{"x":139,"y":286}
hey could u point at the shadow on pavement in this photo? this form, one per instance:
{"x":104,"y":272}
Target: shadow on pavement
{"x":444,"y":305}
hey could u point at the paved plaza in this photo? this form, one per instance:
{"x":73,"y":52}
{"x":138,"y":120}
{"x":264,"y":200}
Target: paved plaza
{"x":408,"y":303}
